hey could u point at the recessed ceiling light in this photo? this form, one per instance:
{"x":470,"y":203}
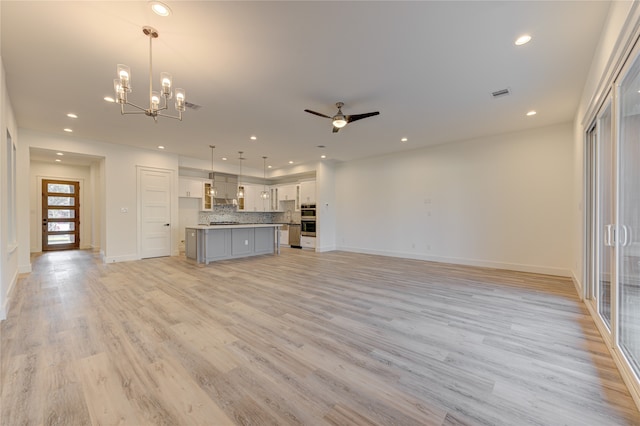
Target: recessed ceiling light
{"x":109,"y":99}
{"x":68,"y":130}
{"x":524,"y":39}
{"x":253,"y":138}
{"x":268,"y":167}
{"x":323,"y":156}
{"x":404,"y":140}
{"x":160,"y":9}
{"x":290,"y":162}
{"x":224,"y":158}
{"x":160,"y":147}
{"x":530,"y":113}
{"x":72,"y":115}
{"x":59,"y":153}
{"x":58,"y":160}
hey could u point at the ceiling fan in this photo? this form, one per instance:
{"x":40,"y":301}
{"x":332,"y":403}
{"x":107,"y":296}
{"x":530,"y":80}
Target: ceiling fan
{"x":340,"y":120}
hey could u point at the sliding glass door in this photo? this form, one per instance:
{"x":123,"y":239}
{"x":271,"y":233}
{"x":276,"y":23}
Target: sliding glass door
{"x":601,"y":247}
{"x":628,"y":172}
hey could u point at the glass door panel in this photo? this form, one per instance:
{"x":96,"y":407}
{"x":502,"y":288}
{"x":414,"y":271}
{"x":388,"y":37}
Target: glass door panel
{"x":604,"y":215}
{"x":629,"y":217}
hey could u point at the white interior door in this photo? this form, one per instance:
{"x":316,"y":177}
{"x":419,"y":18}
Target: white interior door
{"x":154,"y":189}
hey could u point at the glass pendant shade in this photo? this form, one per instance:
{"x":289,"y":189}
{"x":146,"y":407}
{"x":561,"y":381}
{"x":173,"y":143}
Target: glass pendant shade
{"x":155,"y":101}
{"x":180,"y":100}
{"x":264,"y":194}
{"x":124,"y":75}
{"x":166,"y":81}
{"x":213,"y":191}
{"x":240,"y":188}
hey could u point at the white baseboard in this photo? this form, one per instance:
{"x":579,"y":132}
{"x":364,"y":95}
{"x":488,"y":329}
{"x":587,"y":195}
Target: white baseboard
{"x":537,"y":269}
{"x":578,"y":285}
{"x":7,"y":297}
{"x":24,"y":269}
{"x":115,"y":259}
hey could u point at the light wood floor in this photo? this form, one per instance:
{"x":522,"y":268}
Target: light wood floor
{"x":301,"y":339}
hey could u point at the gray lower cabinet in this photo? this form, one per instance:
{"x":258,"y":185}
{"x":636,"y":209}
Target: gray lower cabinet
{"x":242,"y":241}
{"x":263,"y":242}
{"x":207,"y":245}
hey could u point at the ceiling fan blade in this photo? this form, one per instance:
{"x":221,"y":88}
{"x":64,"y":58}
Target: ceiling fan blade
{"x":335,"y":129}
{"x":316,"y":113}
{"x":356,"y":117}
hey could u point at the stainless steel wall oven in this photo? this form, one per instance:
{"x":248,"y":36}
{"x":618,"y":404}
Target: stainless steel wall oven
{"x":308,"y":220}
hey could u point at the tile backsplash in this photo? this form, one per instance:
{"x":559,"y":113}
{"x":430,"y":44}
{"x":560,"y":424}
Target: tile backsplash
{"x":229,"y":214}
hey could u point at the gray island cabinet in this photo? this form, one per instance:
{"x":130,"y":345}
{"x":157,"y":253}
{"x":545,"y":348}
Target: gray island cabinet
{"x":207,"y":243}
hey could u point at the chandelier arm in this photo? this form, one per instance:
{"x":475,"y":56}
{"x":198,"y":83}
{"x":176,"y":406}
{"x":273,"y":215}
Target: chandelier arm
{"x":179,"y":118}
{"x":133,"y":112}
{"x":133,"y":105}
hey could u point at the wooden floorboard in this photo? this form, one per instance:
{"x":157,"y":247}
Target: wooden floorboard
{"x":302,"y":338}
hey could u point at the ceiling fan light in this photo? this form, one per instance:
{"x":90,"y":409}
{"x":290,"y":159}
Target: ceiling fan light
{"x":339,"y":121}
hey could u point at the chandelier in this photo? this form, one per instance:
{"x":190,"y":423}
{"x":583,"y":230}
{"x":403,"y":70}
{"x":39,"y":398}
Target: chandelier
{"x":122,"y":86}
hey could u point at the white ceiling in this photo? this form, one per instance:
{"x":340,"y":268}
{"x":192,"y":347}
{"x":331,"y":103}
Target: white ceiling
{"x":428,"y":67}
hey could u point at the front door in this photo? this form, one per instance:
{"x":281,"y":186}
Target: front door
{"x":60,"y":215}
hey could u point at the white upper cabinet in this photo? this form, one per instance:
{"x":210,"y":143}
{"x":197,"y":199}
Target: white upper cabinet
{"x":308,"y":192}
{"x":190,"y":187}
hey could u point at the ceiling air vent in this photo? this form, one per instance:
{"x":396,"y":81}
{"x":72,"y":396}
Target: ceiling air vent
{"x":192,"y":106}
{"x":500,"y":93}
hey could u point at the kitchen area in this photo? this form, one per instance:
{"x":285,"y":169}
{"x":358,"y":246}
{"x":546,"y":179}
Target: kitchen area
{"x":244,"y":217}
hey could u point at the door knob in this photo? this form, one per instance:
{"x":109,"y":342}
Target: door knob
{"x":167,"y":224}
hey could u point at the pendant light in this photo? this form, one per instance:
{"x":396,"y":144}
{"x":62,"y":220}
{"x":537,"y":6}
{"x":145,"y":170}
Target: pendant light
{"x":240,"y":188}
{"x":264,"y":194}
{"x":213,"y":191}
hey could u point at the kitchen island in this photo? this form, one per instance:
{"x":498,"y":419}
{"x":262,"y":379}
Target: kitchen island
{"x":207,"y":243}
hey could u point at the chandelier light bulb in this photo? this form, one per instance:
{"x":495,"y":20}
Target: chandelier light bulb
{"x":124,"y":74}
{"x":180,"y":103}
{"x":155,"y":101}
{"x":166,"y":80}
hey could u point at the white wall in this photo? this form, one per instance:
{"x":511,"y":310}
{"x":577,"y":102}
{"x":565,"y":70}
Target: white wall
{"x":82,"y":174}
{"x":118,"y":180}
{"x":502,"y":201}
{"x":9,"y":250}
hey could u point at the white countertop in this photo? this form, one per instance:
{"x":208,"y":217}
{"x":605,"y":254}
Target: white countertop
{"x":235,"y":226}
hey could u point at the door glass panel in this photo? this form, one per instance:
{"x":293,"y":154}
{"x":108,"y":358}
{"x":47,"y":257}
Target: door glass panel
{"x":61,"y":226}
{"x":60,"y":188}
{"x":629,"y":218}
{"x":61,"y":214}
{"x":604,"y":215}
{"x":61,"y":239}
{"x":61,"y":201}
